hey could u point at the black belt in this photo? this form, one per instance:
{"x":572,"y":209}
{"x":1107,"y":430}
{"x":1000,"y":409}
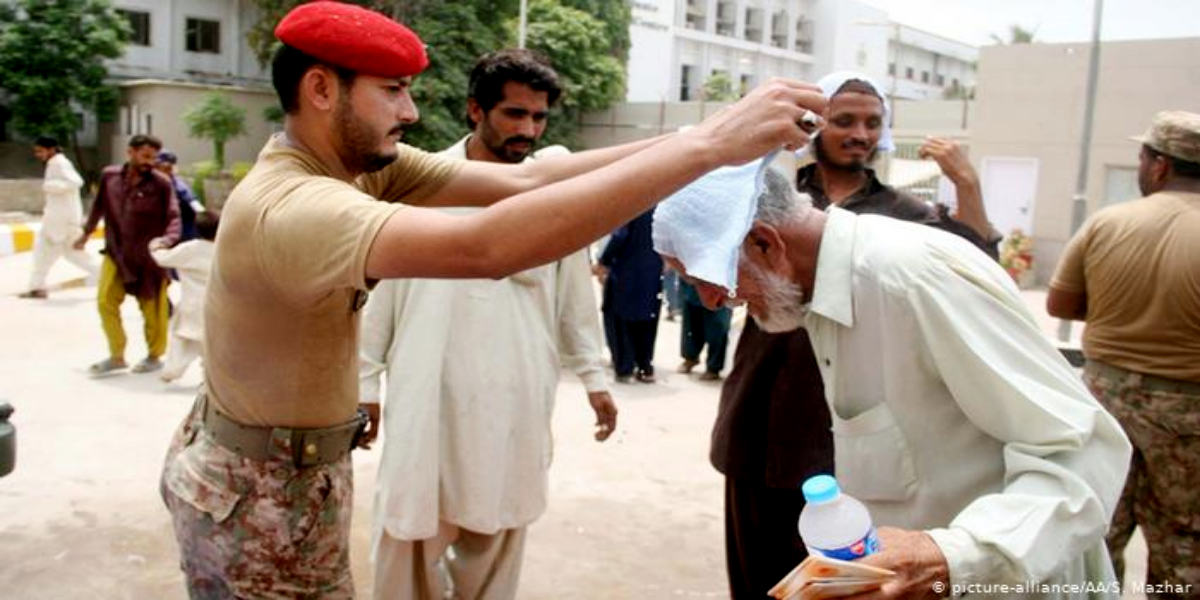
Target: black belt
{"x":307,"y":447}
{"x":1150,"y":383}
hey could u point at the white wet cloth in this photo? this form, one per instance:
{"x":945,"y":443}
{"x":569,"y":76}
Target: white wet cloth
{"x":703,"y":224}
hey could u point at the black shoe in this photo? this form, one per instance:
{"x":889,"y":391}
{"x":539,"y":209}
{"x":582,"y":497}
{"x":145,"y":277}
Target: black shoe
{"x":646,"y":376}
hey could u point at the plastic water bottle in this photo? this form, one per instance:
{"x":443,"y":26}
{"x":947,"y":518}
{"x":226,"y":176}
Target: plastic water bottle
{"x":834,"y":524}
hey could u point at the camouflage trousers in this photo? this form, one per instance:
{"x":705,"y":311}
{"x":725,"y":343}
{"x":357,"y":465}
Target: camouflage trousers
{"x":257,"y":529}
{"x":1160,"y":494}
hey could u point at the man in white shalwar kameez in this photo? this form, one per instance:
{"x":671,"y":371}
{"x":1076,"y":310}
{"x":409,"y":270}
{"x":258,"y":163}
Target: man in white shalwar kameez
{"x":62,"y":219}
{"x":472,"y":370}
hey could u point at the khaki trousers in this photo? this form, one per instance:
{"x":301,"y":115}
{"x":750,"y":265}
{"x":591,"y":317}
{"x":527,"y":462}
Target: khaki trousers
{"x":469,"y":565}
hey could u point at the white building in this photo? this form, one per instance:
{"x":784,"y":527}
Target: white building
{"x":677,"y":45}
{"x":923,"y":65}
{"x":179,"y":51}
{"x":192,"y":40}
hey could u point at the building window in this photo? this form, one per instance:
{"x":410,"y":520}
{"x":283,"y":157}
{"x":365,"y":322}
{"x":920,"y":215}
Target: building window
{"x":892,"y":69}
{"x":695,"y":15}
{"x":908,"y":73}
{"x":754,"y":25}
{"x":203,"y":36}
{"x":685,"y":82}
{"x":941,"y":80}
{"x":924,"y":76}
{"x":139,"y":24}
{"x":804,"y":35}
{"x":747,"y":84}
{"x":779,"y":27}
{"x":727,"y":19}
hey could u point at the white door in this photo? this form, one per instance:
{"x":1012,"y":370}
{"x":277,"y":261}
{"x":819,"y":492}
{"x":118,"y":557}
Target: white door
{"x":1009,"y":190}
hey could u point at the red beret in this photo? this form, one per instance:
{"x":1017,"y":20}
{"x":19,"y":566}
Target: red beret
{"x":355,"y":38}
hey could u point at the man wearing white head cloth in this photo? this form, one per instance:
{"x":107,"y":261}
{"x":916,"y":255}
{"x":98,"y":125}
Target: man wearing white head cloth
{"x":772,"y":427}
{"x":981,"y":457}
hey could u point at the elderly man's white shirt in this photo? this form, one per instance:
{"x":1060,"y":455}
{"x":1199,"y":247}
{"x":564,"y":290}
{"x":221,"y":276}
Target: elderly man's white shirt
{"x":62,"y":217}
{"x":472,"y":372}
{"x":951,"y":411}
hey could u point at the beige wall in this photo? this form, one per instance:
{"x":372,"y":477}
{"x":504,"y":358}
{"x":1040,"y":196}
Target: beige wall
{"x":166,"y":102}
{"x":632,"y":121}
{"x":1030,"y":102}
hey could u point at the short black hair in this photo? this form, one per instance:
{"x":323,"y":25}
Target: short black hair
{"x":207,"y":223}
{"x":1179,"y":167}
{"x":45,"y":141}
{"x":142,"y":139}
{"x":288,"y":67}
{"x":493,"y":70}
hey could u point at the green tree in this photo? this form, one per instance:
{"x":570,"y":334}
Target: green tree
{"x":583,"y":54}
{"x":218,"y":119}
{"x":588,"y":52}
{"x":1016,"y":35}
{"x":719,"y":88}
{"x":52,"y":64}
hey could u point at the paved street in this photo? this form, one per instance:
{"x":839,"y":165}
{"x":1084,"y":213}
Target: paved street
{"x":637,"y":517}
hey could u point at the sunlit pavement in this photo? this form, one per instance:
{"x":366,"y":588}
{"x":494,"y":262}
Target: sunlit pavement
{"x":637,"y":517}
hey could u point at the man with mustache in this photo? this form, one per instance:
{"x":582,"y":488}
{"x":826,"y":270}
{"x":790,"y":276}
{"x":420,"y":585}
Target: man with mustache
{"x":258,"y":478}
{"x":980,"y":455}
{"x":772,"y":428}
{"x":466,"y":456}
{"x":138,"y":206}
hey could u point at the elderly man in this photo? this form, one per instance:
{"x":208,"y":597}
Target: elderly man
{"x":955,"y":421}
{"x":1131,"y":273}
{"x":258,"y":478}
{"x":472,"y":372}
{"x":772,"y":428}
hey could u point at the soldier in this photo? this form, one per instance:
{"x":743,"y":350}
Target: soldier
{"x":258,"y":478}
{"x":1133,"y":273}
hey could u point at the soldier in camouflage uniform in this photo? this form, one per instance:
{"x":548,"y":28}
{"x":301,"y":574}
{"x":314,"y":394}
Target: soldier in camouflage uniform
{"x":258,"y":480}
{"x":247,"y":499}
{"x":1132,"y":273}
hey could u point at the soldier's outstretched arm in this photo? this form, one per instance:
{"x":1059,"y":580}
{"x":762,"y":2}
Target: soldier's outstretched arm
{"x":548,"y":222}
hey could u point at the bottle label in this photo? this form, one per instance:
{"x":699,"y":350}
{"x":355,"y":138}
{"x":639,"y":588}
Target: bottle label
{"x":869,"y":544}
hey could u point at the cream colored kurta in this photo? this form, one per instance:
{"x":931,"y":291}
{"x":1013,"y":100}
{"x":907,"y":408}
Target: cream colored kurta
{"x":62,"y":217}
{"x":472,"y":370}
{"x":191,"y":260}
{"x":952,"y":413}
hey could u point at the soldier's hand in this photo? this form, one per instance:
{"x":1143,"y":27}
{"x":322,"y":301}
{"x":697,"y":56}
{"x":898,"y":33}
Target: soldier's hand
{"x":765,"y":119}
{"x":372,"y":431}
{"x":606,"y":414}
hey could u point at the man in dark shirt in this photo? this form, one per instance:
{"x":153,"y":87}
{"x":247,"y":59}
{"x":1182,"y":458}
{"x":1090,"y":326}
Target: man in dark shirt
{"x":773,"y":428}
{"x":138,"y":206}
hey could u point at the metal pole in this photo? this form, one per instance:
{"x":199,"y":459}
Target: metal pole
{"x":521,"y":28}
{"x":1079,"y":200}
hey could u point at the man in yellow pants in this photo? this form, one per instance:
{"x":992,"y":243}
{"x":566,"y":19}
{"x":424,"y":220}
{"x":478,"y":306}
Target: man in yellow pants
{"x":138,"y":206}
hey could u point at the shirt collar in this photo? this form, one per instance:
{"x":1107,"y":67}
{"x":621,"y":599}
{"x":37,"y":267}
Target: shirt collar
{"x":809,"y":181}
{"x":459,"y":149}
{"x":833,"y":292}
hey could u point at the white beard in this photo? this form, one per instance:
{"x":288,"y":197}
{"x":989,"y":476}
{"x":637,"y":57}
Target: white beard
{"x":783,"y":302}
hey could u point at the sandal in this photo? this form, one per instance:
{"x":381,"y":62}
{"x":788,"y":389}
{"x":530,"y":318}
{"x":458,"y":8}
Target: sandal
{"x":107,"y":366}
{"x":148,"y":364}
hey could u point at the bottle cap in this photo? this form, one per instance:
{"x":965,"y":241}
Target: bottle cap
{"x":820,"y":488}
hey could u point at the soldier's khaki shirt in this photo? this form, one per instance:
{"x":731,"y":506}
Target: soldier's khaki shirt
{"x":281,"y":324}
{"x":1139,"y":265}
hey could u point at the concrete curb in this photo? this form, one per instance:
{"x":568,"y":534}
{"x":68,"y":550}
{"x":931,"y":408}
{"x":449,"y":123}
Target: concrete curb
{"x":18,"y":237}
